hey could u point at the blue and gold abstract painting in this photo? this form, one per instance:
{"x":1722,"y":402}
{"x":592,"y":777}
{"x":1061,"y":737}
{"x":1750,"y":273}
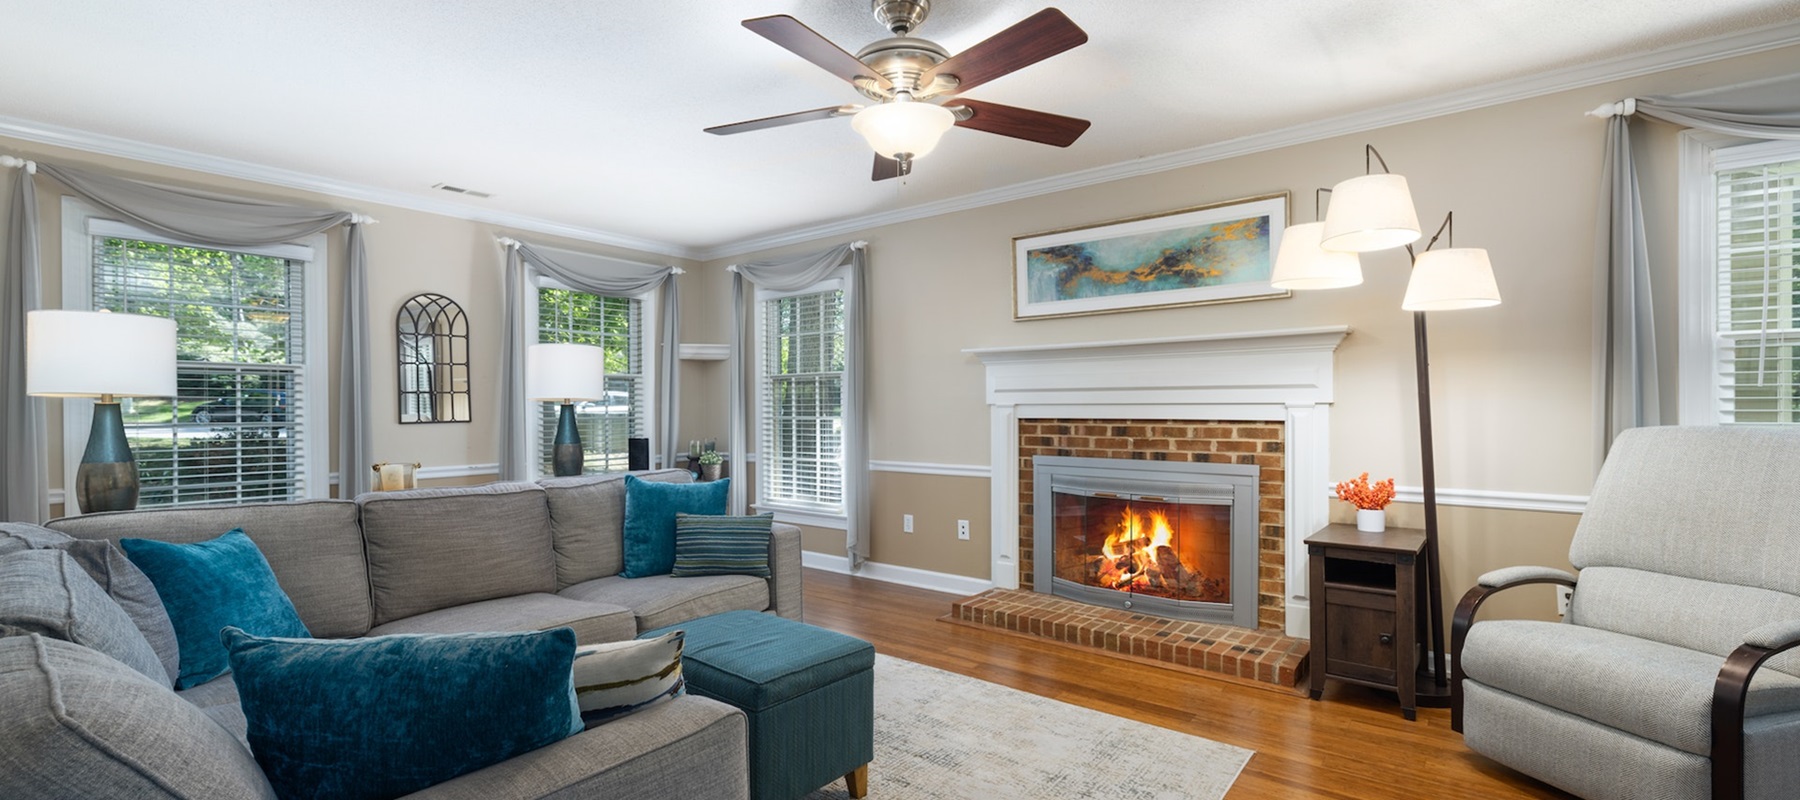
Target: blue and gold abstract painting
{"x":1210,"y":254}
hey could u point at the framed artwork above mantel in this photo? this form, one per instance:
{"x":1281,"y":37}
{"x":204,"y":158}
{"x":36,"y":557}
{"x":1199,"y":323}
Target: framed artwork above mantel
{"x":1216,"y":253}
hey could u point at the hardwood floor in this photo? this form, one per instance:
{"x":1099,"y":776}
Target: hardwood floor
{"x":1353,"y":744}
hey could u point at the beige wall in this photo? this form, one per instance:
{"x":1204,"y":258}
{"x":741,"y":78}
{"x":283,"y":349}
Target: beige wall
{"x":1513,"y":386}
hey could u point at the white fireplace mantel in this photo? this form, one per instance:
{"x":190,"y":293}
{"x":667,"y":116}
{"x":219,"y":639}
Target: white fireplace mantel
{"x":1277,"y":375}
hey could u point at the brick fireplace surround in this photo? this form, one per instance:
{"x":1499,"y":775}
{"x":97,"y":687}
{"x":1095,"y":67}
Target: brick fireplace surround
{"x":1239,"y":442}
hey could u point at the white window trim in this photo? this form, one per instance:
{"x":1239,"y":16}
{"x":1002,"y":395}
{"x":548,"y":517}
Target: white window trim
{"x":817,"y":516}
{"x":1702,"y":155}
{"x":81,"y":222}
{"x":649,"y":310}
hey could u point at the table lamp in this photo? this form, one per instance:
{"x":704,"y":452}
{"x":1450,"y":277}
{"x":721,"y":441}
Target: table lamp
{"x":565,"y":373}
{"x":106,"y":356}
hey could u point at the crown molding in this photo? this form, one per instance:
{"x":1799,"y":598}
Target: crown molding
{"x":104,"y":144}
{"x":1673,"y":57}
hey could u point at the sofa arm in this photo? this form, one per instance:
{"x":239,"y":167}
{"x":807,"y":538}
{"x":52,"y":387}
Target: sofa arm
{"x":690,"y":747}
{"x":785,"y":597}
{"x":1488,"y":584}
{"x":1731,"y":692}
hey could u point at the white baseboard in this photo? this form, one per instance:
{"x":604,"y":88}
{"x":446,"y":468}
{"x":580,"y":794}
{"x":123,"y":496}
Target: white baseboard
{"x":905,"y":576}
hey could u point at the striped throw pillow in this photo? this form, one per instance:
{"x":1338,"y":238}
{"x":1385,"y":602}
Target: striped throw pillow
{"x":617,"y":678}
{"x":707,"y":545}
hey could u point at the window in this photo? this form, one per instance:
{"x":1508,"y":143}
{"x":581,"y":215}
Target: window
{"x":616,"y":325}
{"x":1745,"y":331}
{"x":247,"y":422}
{"x":800,"y":447}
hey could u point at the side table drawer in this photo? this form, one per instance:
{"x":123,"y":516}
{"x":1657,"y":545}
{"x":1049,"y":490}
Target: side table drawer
{"x":1361,"y":636}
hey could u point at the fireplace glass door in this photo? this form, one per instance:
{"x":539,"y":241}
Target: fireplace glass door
{"x":1172,"y":544}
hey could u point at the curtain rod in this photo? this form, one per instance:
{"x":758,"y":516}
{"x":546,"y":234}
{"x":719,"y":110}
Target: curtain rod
{"x":1623,"y":108}
{"x":13,"y":161}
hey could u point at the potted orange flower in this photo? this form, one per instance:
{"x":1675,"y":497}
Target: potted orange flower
{"x":1370,"y":499}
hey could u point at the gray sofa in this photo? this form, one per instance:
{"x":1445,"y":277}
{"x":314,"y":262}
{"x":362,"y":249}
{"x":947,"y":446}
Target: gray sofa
{"x":506,"y":556}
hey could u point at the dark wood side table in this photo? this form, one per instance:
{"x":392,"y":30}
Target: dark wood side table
{"x":1365,"y":590}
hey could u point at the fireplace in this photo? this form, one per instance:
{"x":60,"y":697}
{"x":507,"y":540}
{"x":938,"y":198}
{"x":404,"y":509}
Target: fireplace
{"x":1173,"y":539}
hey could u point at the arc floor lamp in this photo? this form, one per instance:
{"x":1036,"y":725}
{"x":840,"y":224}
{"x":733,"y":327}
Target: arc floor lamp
{"x":1372,"y":212}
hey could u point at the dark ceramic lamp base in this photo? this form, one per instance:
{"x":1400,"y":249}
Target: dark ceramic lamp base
{"x":566,"y":458}
{"x":107,"y":479}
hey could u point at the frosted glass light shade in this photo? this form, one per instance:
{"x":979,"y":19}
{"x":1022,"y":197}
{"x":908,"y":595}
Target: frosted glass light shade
{"x":96,"y":353}
{"x":1303,"y":264}
{"x":909,"y":127}
{"x":1371,"y":212}
{"x":559,"y":372}
{"x":1448,"y":280}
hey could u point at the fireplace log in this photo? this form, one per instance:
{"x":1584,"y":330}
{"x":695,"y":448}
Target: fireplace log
{"x":1171,"y":573}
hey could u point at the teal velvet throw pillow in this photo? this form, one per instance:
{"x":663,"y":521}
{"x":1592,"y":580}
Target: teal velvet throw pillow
{"x":359,"y":719}
{"x":208,"y":585}
{"x":722,"y":545}
{"x":650,"y":509}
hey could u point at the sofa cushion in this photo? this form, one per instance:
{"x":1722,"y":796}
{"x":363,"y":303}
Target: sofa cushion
{"x":587,"y":521}
{"x":44,"y":591}
{"x":436,"y":548}
{"x":721,"y":545}
{"x":650,"y":509}
{"x":118,"y":577}
{"x":619,"y":678}
{"x":662,"y":600}
{"x":314,"y":546}
{"x":592,"y":622}
{"x":1657,"y":691}
{"x":79,"y":724}
{"x":387,"y":715}
{"x":207,"y":586}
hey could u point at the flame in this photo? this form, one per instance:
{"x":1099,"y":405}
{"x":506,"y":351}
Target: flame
{"x":1132,"y":545}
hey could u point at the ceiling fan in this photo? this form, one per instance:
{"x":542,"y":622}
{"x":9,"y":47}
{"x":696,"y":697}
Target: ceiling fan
{"x":915,"y":83}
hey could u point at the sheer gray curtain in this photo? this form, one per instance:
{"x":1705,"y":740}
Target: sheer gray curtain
{"x":24,"y":461}
{"x":851,"y":260}
{"x":1767,"y":110}
{"x":596,"y":274}
{"x":214,"y":221}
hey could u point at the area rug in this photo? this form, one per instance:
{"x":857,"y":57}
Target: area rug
{"x":944,"y":736}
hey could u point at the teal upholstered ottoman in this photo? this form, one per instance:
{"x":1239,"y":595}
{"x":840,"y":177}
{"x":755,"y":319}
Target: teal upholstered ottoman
{"x":809,"y":694}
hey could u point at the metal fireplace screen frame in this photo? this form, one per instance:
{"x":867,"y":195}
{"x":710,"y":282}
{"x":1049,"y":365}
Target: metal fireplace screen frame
{"x":1175,"y":483}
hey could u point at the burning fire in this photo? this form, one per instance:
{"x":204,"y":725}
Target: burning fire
{"x":1131,"y":549}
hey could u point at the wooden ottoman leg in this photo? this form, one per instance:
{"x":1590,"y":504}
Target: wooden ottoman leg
{"x":858,"y":782}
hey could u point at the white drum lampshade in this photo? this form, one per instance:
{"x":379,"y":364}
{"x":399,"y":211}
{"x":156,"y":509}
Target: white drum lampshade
{"x":1303,"y":264}
{"x":563,"y":372}
{"x":1370,"y":212}
{"x":912,"y":128}
{"x":1449,"y":280}
{"x":96,"y":353}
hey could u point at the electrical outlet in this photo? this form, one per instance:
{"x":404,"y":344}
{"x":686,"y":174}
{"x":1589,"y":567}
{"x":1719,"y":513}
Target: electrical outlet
{"x":1563,"y":595}
{"x":906,"y":523}
{"x":962,"y":529}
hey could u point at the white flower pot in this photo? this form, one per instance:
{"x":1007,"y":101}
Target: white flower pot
{"x":1371,"y":520}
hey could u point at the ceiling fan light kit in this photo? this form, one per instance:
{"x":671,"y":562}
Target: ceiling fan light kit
{"x":915,"y":83}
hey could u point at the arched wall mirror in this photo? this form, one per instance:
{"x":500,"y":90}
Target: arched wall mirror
{"x":434,"y":360}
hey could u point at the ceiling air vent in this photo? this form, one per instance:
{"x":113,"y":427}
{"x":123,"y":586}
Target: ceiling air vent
{"x":460,"y":190}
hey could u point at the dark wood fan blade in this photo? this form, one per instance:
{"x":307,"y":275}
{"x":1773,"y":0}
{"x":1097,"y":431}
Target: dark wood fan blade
{"x":1038,"y":37}
{"x":780,"y":120}
{"x":806,"y":43}
{"x":1022,"y":123}
{"x":886,"y":168}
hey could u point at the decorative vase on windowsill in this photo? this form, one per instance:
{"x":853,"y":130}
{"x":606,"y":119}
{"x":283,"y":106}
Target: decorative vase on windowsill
{"x":1370,"y":500}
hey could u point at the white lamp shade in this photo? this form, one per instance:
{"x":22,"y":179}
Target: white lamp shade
{"x":95,"y":353}
{"x":1303,"y":264}
{"x":908,"y":127}
{"x":558,"y":372}
{"x":1371,"y":212}
{"x":1448,"y":280}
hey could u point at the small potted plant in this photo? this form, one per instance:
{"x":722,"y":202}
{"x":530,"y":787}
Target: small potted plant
{"x":710,"y":462}
{"x":1370,"y":501}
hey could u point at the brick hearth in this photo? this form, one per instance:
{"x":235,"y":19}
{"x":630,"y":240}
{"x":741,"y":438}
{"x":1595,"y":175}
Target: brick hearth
{"x":1259,"y":655}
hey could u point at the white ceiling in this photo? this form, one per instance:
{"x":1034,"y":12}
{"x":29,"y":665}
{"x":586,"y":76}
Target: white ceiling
{"x":586,"y":115}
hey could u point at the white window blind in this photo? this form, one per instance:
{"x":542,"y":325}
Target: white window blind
{"x":1758,"y":292}
{"x":800,"y":449}
{"x":616,"y":325}
{"x":235,"y":432}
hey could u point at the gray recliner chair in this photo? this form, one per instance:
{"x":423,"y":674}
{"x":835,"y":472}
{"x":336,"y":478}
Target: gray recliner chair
{"x":1667,"y":677}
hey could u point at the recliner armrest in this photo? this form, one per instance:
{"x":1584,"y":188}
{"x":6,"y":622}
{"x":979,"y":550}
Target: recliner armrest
{"x":1508,"y":577}
{"x":1731,"y":694}
{"x":1775,"y":635}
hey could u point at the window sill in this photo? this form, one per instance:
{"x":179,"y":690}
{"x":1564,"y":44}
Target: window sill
{"x":810,"y":518}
